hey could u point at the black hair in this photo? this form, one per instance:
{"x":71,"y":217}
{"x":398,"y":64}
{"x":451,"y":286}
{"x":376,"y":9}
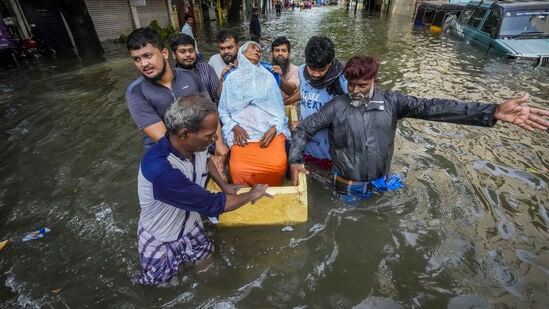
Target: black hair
{"x":141,"y":36}
{"x":319,"y":52}
{"x":181,"y":39}
{"x":226,"y":34}
{"x":281,"y":40}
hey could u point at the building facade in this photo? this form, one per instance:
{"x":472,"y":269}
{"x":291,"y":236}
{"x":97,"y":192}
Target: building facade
{"x":80,"y":27}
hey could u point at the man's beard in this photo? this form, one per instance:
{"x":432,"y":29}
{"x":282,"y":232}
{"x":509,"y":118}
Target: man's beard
{"x":284,"y":64}
{"x":228,"y":58}
{"x":186,"y":66}
{"x":363,"y":99}
{"x":160,"y":74}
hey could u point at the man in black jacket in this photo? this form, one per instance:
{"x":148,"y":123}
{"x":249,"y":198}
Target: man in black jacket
{"x":362,"y":126}
{"x":255,"y":27}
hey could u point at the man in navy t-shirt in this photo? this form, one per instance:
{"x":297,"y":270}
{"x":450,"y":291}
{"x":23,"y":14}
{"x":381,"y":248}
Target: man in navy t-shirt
{"x":172,"y":197}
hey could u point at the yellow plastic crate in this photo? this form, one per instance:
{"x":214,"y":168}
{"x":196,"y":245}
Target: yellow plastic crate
{"x":288,"y":206}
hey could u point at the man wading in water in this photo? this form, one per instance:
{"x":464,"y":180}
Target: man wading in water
{"x":362,"y":125}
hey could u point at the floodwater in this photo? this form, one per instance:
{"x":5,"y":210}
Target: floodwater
{"x":470,"y":227}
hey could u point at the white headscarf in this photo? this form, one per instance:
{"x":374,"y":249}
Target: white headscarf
{"x":251,"y":99}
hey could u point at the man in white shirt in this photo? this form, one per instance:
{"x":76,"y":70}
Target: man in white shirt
{"x":188,"y":30}
{"x":225,"y":60}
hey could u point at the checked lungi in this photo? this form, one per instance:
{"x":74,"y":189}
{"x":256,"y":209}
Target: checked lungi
{"x":160,"y":260}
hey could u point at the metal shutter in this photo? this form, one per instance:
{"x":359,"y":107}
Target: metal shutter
{"x":111,"y":18}
{"x":154,"y":10}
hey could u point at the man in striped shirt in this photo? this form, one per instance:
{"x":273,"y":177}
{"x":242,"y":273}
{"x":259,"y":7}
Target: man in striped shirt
{"x":184,"y":53}
{"x":183,"y":47}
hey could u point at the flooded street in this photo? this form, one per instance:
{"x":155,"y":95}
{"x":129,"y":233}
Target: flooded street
{"x":469,"y":228}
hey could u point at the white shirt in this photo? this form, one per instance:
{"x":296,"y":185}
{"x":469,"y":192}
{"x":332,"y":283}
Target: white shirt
{"x":188,"y":30}
{"x":217,"y":63}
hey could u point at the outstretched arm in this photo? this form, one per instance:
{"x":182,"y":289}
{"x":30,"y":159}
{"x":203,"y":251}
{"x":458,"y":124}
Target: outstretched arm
{"x":528,"y":118}
{"x":220,"y":179}
{"x":236,"y":200}
{"x":303,"y":134}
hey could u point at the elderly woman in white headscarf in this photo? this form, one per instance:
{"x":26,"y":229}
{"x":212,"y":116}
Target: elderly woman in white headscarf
{"x":255,"y":126}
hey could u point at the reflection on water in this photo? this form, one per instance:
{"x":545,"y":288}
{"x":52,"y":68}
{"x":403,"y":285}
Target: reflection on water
{"x":470,"y":227}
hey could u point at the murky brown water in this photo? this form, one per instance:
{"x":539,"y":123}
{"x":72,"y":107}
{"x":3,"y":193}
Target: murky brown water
{"x":470,"y":227}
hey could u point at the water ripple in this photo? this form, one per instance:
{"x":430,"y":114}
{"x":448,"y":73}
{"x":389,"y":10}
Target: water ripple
{"x":499,"y":170}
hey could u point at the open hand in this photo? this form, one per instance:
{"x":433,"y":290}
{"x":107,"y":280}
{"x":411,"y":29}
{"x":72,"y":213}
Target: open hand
{"x":276,"y":68}
{"x":268,"y":137}
{"x":231,"y":66}
{"x":259,"y":191}
{"x":528,"y":118}
{"x":240,"y":136}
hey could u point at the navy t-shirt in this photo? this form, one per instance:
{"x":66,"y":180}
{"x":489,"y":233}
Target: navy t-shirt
{"x":148,"y":101}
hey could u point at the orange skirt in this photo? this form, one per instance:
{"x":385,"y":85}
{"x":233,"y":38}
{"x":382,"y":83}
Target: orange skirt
{"x":251,"y":164}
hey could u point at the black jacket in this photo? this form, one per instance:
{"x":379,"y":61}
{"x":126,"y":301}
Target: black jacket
{"x":255,"y":27}
{"x":362,"y":138}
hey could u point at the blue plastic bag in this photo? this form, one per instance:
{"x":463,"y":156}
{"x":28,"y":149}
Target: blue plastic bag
{"x":39,"y":233}
{"x":385,"y":183}
{"x":389,"y":183}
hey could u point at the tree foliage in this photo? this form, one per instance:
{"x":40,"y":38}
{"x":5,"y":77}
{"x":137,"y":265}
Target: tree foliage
{"x":165,"y":33}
